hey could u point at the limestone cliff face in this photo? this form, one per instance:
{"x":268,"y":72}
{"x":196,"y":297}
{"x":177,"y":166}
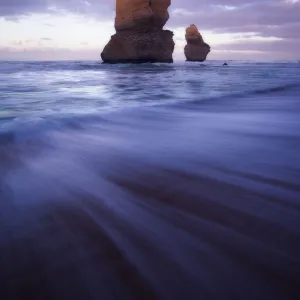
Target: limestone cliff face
{"x":160,"y":12}
{"x":132,"y":13}
{"x":139,"y":36}
{"x":196,"y":49}
{"x":141,"y":13}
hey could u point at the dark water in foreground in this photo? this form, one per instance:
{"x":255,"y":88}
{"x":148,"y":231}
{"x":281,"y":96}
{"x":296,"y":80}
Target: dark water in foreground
{"x":150,"y":182}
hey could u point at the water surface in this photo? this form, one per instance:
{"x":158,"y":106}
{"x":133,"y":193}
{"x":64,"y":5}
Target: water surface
{"x":148,"y":181}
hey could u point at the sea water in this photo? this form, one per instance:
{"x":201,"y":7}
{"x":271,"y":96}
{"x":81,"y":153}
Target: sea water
{"x":151,"y":181}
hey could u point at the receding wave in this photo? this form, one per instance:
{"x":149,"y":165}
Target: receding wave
{"x":277,"y":88}
{"x":153,"y":204}
{"x":149,"y":201}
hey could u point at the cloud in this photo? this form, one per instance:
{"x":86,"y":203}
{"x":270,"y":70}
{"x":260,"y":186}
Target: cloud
{"x":262,"y":18}
{"x":263,"y":46}
{"x":49,"y":25}
{"x":16,"y":43}
{"x":10,"y":8}
{"x":277,"y":19}
{"x":48,"y":53}
{"x":217,"y":15}
{"x":238,"y":19}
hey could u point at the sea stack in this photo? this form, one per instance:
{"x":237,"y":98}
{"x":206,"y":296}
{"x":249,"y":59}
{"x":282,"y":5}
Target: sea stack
{"x":196,"y":49}
{"x":139,"y":33}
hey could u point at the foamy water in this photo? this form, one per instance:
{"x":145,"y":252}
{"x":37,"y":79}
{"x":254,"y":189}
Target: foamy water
{"x":150,"y":181}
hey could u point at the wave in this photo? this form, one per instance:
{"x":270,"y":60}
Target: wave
{"x":152,"y":204}
{"x":275,"y":89}
{"x":20,"y":126}
{"x":227,"y":97}
{"x":13,"y":66}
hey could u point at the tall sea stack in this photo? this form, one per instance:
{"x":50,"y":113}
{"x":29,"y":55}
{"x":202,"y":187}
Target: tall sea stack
{"x":139,"y":33}
{"x":196,"y":49}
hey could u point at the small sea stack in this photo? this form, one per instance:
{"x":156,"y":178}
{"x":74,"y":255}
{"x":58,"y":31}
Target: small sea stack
{"x":139,"y":34}
{"x":196,"y":49}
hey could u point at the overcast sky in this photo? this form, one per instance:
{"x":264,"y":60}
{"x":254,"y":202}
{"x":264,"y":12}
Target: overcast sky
{"x":79,"y":29}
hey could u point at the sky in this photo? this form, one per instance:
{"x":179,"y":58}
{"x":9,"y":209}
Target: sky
{"x":79,"y":29}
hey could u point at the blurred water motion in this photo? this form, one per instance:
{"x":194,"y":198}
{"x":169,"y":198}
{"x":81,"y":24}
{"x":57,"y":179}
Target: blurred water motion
{"x":182,"y":200}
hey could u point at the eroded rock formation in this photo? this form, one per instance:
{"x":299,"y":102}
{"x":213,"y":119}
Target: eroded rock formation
{"x":139,"y":33}
{"x":196,"y":49}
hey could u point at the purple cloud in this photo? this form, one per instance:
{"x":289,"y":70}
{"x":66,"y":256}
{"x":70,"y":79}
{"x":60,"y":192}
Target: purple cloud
{"x":266,"y":18}
{"x":10,"y":8}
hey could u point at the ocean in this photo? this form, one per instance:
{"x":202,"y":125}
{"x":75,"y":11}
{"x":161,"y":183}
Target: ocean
{"x":151,"y":181}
